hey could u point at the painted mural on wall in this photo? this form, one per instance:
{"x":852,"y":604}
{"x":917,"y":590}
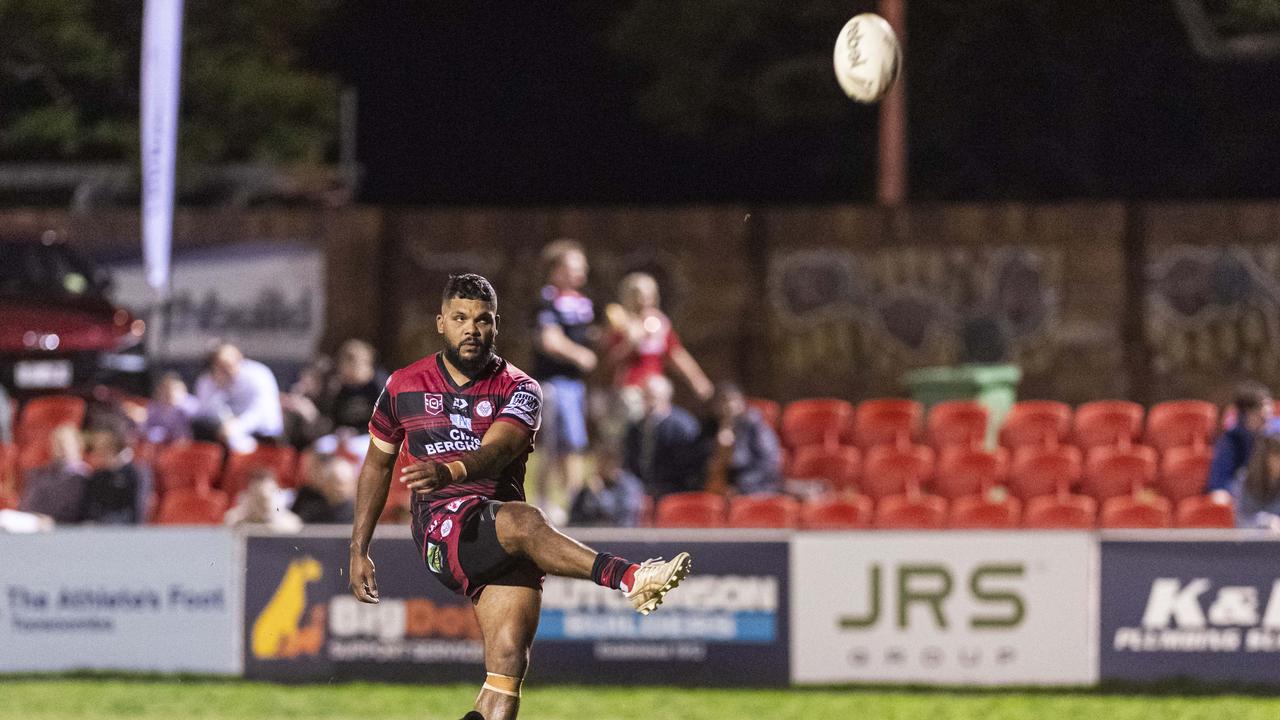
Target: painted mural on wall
{"x":887,"y":310}
{"x":1213,"y":311}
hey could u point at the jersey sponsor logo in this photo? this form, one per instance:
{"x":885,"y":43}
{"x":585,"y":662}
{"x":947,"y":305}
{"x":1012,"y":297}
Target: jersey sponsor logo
{"x":461,"y":422}
{"x":433,"y":402}
{"x":434,"y":560}
{"x":460,"y":404}
{"x":484,"y":408}
{"x":524,"y":406}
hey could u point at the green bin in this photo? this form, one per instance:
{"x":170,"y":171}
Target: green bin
{"x":995,"y":386}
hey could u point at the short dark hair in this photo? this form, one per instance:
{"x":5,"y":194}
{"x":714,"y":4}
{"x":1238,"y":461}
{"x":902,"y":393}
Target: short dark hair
{"x":469,"y":286}
{"x":1251,"y":396}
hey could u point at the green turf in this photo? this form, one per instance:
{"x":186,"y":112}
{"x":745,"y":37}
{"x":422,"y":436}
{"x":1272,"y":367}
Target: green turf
{"x":40,"y":699}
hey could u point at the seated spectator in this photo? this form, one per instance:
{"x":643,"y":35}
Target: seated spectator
{"x":239,"y":400}
{"x":663,"y":447}
{"x":118,"y":491}
{"x":349,"y":398}
{"x":329,"y":492}
{"x":1258,"y":499}
{"x":57,"y":489}
{"x":1235,"y":445}
{"x":170,"y":411}
{"x":614,"y":498}
{"x":304,"y":423}
{"x":263,"y":502}
{"x":744,"y":454}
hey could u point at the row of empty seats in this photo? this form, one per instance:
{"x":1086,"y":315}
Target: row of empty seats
{"x":833,"y":422}
{"x":920,"y":511}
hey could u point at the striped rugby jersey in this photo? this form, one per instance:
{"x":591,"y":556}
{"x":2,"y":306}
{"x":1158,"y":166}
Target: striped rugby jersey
{"x":428,"y":416}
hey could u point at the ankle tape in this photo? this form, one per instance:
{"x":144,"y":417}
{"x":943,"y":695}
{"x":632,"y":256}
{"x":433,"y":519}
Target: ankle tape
{"x":502,"y":684}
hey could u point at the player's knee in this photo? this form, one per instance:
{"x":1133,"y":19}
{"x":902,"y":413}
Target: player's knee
{"x":519,"y":521}
{"x":507,"y":654}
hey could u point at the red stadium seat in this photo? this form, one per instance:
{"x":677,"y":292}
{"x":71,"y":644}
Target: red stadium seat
{"x":42,"y":414}
{"x":837,"y":512}
{"x":963,"y":471}
{"x":912,"y":511}
{"x":1180,"y":423}
{"x":770,"y":411}
{"x":840,"y":466}
{"x":885,"y":421}
{"x":1136,"y":511}
{"x":1040,"y":471}
{"x":988,"y":511}
{"x":1203,"y":511}
{"x":1184,"y":471}
{"x":1061,"y":511}
{"x":892,"y":470}
{"x":192,"y":464}
{"x":1113,"y":471}
{"x":1107,"y":422}
{"x":192,"y":506}
{"x":1036,"y":422}
{"x":957,"y":422}
{"x":690,"y":510}
{"x":816,"y":421}
{"x":764,"y":511}
{"x":280,"y":460}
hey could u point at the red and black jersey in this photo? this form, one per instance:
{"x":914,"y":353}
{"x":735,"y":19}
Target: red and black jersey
{"x":430,"y":417}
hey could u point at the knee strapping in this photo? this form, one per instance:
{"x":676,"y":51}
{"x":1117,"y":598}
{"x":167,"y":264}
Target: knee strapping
{"x":502,"y":684}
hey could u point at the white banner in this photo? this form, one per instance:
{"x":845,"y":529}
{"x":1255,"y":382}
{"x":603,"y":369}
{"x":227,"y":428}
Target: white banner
{"x":268,"y":298}
{"x":156,"y":600}
{"x":161,"y":70}
{"x":987,"y":608}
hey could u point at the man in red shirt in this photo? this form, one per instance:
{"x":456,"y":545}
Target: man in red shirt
{"x":464,"y":421}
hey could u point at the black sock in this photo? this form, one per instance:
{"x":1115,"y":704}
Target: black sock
{"x":609,"y":569}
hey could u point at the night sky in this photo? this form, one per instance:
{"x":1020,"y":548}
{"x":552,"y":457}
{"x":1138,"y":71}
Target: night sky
{"x":488,"y":102}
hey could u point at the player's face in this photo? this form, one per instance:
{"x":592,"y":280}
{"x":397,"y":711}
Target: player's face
{"x":469,"y":328}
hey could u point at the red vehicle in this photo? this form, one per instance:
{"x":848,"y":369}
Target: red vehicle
{"x":58,"y":330}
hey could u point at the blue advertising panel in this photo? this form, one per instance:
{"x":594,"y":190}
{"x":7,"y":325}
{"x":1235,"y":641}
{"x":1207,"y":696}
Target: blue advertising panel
{"x":1203,"y":610}
{"x":725,"y":625}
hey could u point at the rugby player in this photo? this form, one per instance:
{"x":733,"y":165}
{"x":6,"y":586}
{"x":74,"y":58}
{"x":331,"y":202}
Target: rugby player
{"x":464,"y":420}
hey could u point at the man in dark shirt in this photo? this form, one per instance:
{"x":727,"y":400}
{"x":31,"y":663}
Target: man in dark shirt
{"x":664,"y":448}
{"x":328,"y":496}
{"x":356,"y":386}
{"x":562,"y":360}
{"x":118,"y":491}
{"x":743,"y":451}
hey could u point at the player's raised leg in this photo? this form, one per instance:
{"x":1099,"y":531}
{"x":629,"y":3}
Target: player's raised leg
{"x":508,"y":618}
{"x":523,"y":531}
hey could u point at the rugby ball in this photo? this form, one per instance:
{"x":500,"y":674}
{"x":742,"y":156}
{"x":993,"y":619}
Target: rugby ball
{"x":867,"y":58}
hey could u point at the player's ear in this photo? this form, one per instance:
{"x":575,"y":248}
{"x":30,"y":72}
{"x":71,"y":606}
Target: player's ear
{"x":440,"y":323}
{"x":496,"y":318}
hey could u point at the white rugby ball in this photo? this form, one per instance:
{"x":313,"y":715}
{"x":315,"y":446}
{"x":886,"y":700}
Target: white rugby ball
{"x":867,"y":58}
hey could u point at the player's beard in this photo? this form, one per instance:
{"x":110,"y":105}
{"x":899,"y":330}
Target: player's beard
{"x":469,"y":367}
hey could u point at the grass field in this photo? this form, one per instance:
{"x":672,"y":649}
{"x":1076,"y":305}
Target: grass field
{"x":41,"y":699}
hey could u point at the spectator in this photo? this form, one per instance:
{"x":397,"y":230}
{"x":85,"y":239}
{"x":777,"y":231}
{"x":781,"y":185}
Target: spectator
{"x":304,"y":422}
{"x":614,"y":499}
{"x":744,"y":454}
{"x":118,"y":491}
{"x":170,"y":411}
{"x":349,"y":399}
{"x":642,"y":339}
{"x":328,"y":495}
{"x":562,"y":361}
{"x":6,"y":417}
{"x":263,"y":502}
{"x":239,"y":399}
{"x":57,"y":489}
{"x":1258,"y":501}
{"x":1235,"y":445}
{"x":662,"y":448}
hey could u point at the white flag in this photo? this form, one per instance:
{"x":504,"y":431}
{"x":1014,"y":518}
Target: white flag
{"x":161,"y":66}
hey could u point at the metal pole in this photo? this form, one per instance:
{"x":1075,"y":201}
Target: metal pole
{"x":891,"y":180}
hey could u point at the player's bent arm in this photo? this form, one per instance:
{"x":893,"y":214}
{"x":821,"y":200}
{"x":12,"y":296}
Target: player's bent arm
{"x":502,"y":444}
{"x":371,"y":494}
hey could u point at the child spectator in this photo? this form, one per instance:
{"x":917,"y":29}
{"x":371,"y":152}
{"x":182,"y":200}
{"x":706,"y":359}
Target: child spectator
{"x":263,"y":502}
{"x":1235,"y":445}
{"x":57,"y":489}
{"x":118,"y":491}
{"x":170,"y":411}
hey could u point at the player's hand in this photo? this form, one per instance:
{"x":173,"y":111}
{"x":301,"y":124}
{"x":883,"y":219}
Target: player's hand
{"x":364,"y":583}
{"x":425,"y":477}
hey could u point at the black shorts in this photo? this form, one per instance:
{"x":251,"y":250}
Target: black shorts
{"x":458,"y":541}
